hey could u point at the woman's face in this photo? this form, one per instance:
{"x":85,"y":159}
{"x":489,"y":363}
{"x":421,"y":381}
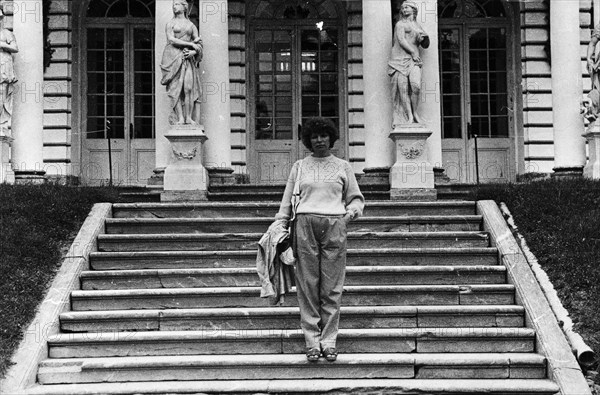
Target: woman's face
{"x":320,"y":143}
{"x":178,"y":6}
{"x":406,"y":10}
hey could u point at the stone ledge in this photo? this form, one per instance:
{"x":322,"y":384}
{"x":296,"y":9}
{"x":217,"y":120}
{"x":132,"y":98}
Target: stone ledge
{"x":562,"y":366}
{"x":34,"y":348}
{"x":348,"y":386}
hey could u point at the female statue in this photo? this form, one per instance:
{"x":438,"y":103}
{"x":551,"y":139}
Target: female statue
{"x":8,"y":46}
{"x":405,"y":65}
{"x":181,"y":66}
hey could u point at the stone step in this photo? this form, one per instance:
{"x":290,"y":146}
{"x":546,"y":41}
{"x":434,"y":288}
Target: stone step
{"x":334,"y":386}
{"x":247,"y":277}
{"x":377,"y":295}
{"x":280,"y":366}
{"x":248,"y":241}
{"x":289,"y":341}
{"x":352,"y":317}
{"x":252,"y":225}
{"x":276,"y":196}
{"x":485,"y":256}
{"x":269,"y":209}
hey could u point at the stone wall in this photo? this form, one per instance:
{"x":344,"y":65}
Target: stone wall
{"x":237,"y":81}
{"x":356,"y":102}
{"x":58,"y":92}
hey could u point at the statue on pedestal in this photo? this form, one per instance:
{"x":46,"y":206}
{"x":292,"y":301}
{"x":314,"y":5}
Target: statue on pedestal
{"x":181,"y":66}
{"x":405,"y":65}
{"x":591,"y":104}
{"x":8,"y":46}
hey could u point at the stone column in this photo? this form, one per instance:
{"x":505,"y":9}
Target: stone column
{"x":215,"y":109}
{"x":431,"y":99}
{"x":569,"y":145}
{"x":164,"y":13}
{"x":28,"y":104}
{"x":377,"y":46}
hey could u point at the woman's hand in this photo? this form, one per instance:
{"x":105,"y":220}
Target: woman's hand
{"x":187,"y":53}
{"x":348,"y":217}
{"x":279,"y":223}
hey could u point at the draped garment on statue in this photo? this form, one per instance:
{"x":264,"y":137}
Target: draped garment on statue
{"x":174,"y":67}
{"x":7,"y":77}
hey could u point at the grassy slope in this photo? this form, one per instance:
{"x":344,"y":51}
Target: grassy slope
{"x":37,"y":225}
{"x":561,"y":223}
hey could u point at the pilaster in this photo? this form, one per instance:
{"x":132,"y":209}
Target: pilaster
{"x":569,"y":145}
{"x":215,"y":108}
{"x":430,"y":107}
{"x":377,"y":46}
{"x":164,"y":13}
{"x":28,"y":103}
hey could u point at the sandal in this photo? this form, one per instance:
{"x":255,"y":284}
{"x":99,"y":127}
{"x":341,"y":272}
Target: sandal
{"x":330,"y":354}
{"x":313,"y":354}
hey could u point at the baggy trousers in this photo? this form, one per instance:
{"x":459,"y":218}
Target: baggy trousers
{"x":320,"y":274}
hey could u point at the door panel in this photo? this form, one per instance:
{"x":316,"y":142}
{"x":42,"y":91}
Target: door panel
{"x":141,"y":133}
{"x":119,"y":78}
{"x":474,"y":68}
{"x":274,"y":132}
{"x":295,"y":75}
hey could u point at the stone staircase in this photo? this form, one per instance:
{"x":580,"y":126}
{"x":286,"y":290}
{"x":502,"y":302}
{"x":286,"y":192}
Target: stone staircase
{"x":170,"y":305}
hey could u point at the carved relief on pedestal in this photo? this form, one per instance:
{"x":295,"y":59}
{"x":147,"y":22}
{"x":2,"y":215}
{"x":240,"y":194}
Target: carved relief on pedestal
{"x":412,"y":151}
{"x":185,"y":155}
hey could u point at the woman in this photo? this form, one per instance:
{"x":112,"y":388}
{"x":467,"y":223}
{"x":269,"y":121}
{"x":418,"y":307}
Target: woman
{"x":329,"y":199}
{"x":181,"y":66}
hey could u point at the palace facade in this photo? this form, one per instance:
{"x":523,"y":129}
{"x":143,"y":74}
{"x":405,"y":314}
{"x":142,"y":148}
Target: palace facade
{"x":501,"y":91}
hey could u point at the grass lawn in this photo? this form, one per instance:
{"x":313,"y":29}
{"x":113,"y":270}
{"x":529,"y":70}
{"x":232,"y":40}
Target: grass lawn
{"x":37,"y":226}
{"x":560,"y":220}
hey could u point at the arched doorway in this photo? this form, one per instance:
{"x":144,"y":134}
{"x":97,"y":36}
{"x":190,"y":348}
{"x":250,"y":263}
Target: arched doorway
{"x":296,"y":53}
{"x":117,"y":47}
{"x":478,"y":90}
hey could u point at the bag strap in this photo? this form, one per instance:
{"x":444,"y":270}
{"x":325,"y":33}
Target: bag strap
{"x":296,"y":192}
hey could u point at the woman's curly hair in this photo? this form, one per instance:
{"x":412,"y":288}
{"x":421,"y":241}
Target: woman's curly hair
{"x":316,"y":126}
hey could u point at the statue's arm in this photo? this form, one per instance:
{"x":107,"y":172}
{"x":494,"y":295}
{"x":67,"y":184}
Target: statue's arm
{"x":423,"y":38}
{"x":174,"y":40}
{"x":401,"y":37}
{"x":10,"y":45}
{"x":590,"y":53}
{"x":198,"y":46}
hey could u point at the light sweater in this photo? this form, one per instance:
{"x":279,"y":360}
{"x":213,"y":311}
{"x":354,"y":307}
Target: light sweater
{"x":327,"y":187}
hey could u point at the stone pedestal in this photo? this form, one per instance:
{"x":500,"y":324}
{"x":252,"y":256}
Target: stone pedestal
{"x":185,"y":178}
{"x":7,"y":174}
{"x":412,"y":177}
{"x":592,"y":168}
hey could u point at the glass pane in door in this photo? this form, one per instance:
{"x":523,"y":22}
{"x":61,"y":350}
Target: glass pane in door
{"x":488,"y":82}
{"x":143,"y":86}
{"x":106,"y":83}
{"x":274,"y":85}
{"x":319,"y":72}
{"x":451,"y":83}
